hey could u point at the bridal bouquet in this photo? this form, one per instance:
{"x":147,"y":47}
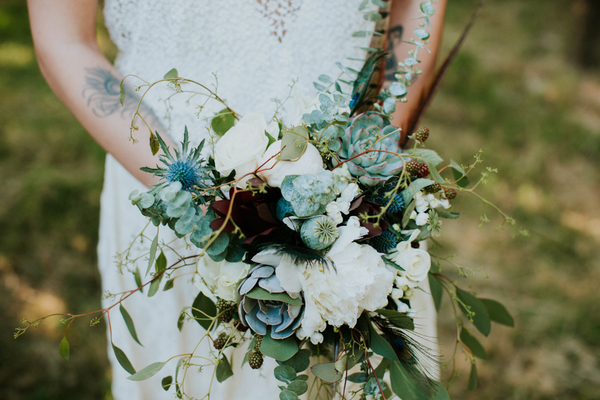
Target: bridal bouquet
{"x":309,"y":232}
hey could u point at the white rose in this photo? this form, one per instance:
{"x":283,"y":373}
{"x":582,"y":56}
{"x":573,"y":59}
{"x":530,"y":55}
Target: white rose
{"x":242,"y":146}
{"x":422,"y":219}
{"x":274,"y":171}
{"x":222,"y":278}
{"x":295,"y":107}
{"x":415,"y":262}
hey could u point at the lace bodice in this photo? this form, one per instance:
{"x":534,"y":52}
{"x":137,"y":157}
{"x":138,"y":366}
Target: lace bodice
{"x":256,"y":48}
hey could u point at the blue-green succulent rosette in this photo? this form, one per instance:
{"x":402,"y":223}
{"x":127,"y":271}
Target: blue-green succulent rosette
{"x":370,"y":147}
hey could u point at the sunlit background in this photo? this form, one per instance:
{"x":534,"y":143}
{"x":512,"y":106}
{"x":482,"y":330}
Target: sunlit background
{"x":525,"y":89}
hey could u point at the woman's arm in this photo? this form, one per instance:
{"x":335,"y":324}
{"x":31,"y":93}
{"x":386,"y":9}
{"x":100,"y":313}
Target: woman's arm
{"x":64,"y":34}
{"x":401,"y":28}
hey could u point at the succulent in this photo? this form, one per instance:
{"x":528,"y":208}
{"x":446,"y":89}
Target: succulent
{"x":264,"y":303}
{"x":370,"y":132}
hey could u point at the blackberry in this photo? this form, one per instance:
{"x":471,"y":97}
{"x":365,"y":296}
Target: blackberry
{"x":255,"y":359}
{"x":449,"y":193}
{"x":240,"y":326}
{"x":222,"y":304}
{"x":434,"y":188}
{"x":384,"y":242}
{"x":226,"y":308}
{"x":416,"y":168}
{"x":422,"y":135}
{"x":220,"y":342}
{"x":225,"y":316}
{"x":258,"y":342}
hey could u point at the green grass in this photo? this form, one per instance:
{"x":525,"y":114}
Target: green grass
{"x":513,"y":91}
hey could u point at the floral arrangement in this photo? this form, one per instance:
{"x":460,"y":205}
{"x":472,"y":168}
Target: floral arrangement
{"x":309,"y":230}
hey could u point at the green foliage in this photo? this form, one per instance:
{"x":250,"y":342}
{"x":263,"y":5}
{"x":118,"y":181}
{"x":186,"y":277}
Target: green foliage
{"x":166,"y":383}
{"x":259,"y":293}
{"x":172,"y":74}
{"x":299,"y":362}
{"x":129,"y":322}
{"x":64,"y":348}
{"x":222,"y":122}
{"x":498,"y":312}
{"x":123,"y":360}
{"x":473,"y":344}
{"x":473,"y":377}
{"x":474,"y":310}
{"x":280,"y":350}
{"x":224,"y":370}
{"x":147,"y":372}
{"x":398,"y":319}
{"x":403,"y":384}
{"x":437,"y":290}
{"x":328,"y":372}
{"x":204,"y":310}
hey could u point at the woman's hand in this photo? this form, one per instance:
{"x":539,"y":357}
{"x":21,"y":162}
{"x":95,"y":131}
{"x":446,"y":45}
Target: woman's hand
{"x":64,"y":34}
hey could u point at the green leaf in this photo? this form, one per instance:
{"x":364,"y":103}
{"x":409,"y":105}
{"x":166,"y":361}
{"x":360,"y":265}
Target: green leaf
{"x":281,"y":350}
{"x":429,"y":156}
{"x":64,"y":348}
{"x":362,"y":33}
{"x":147,"y":372}
{"x":440,"y":393}
{"x":271,"y":139}
{"x":409,"y":209}
{"x":203,"y":309}
{"x":123,"y":360}
{"x":327,"y":372}
{"x":358,"y":377}
{"x":415,"y":186}
{"x":427,"y":8}
{"x":161,"y":262}
{"x":380,"y":346}
{"x":171,"y":74}
{"x":446,"y":214}
{"x":155,"y":284}
{"x":398,"y":319}
{"x":154,"y":144}
{"x":382,"y":367}
{"x":181,"y":319}
{"x":473,"y":377}
{"x":404,"y":385}
{"x":302,"y":378}
{"x":129,"y":323}
{"x":497,"y":312}
{"x":152,"y":254}
{"x":294,"y":143}
{"x":169,"y":285}
{"x":298,"y":386}
{"x":434,"y":173}
{"x":259,"y":293}
{"x":288,"y":395}
{"x":166,"y":382}
{"x":459,"y":174}
{"x":326,"y":79}
{"x":437,"y":291}
{"x":300,"y":361}
{"x":138,"y":279}
{"x":122,"y":97}
{"x":284,"y":373}
{"x":222,"y":122}
{"x":481,"y":319}
{"x":224,"y":370}
{"x":472,"y":344}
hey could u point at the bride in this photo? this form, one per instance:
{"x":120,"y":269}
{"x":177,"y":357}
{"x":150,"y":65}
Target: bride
{"x":256,"y":49}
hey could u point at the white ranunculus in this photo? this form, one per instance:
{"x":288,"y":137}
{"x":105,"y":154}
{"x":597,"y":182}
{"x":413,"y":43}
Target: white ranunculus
{"x":295,"y":107}
{"x":415,"y":262}
{"x":422,"y":219}
{"x":221,"y":278}
{"x":242,"y":146}
{"x":274,"y":171}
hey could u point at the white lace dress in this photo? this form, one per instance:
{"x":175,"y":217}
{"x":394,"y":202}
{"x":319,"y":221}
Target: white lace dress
{"x":256,"y":48}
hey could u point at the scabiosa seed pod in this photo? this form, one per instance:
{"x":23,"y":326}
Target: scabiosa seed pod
{"x":422,"y":135}
{"x":384,"y":242}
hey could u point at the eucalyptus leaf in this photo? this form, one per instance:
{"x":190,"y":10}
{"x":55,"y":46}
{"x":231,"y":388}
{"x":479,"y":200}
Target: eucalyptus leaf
{"x":427,"y":8}
{"x":203,"y":305}
{"x":294,"y":143}
{"x":169,"y":284}
{"x":398,"y":89}
{"x":123,"y":360}
{"x":404,"y":385}
{"x":473,"y":377}
{"x":437,"y":291}
{"x":382,"y":367}
{"x":298,"y":386}
{"x":155,"y":284}
{"x":122,"y":90}
{"x":129,"y":323}
{"x":171,"y":74}
{"x":222,"y":122}
{"x":415,"y":186}
{"x":440,"y":392}
{"x":497,"y":312}
{"x":300,"y":361}
{"x":421,"y":33}
{"x":481,"y":318}
{"x":154,"y":144}
{"x":284,"y":373}
{"x":429,"y":156}
{"x":472,"y":344}
{"x":288,"y":395}
{"x":358,"y":377}
{"x":152,"y":255}
{"x":434,"y":173}
{"x":224,"y":370}
{"x":326,"y":79}
{"x":398,"y":319}
{"x":64,"y":348}
{"x":327,"y":372}
{"x":448,"y":215}
{"x":166,"y":383}
{"x":459,"y":174}
{"x":138,"y":279}
{"x":147,"y":372}
{"x":380,"y":346}
{"x":280,"y":350}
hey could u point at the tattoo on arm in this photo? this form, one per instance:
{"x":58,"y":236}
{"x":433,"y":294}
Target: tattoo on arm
{"x":102,"y":91}
{"x":394,"y":40}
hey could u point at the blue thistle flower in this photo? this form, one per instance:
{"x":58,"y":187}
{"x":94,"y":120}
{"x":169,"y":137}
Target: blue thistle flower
{"x":184,"y":167}
{"x":384,"y":242}
{"x":396,"y":207}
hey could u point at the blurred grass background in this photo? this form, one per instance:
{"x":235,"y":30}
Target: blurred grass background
{"x":517,"y":90}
